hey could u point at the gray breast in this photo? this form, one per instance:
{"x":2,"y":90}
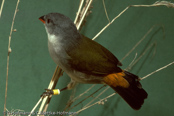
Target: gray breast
{"x":57,"y":52}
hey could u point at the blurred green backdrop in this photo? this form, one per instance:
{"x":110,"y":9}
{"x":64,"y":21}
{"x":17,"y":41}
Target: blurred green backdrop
{"x":31,"y":67}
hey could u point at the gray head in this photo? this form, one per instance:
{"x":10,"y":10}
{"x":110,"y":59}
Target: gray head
{"x":59,"y":25}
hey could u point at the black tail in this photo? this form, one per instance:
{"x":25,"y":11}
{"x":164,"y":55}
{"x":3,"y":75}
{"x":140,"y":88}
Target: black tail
{"x":134,"y":95}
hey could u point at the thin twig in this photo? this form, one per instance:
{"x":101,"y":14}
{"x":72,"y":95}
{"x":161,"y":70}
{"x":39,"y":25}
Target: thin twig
{"x":8,"y":56}
{"x":131,"y":62}
{"x":106,"y":11}
{"x":2,"y":4}
{"x":96,"y":103}
{"x":168,"y":4}
{"x":129,"y":67}
{"x":32,"y":111}
{"x":79,"y":10}
{"x":88,"y":97}
{"x":157,"y":70}
{"x":70,"y":101}
{"x":110,"y":23}
{"x":138,"y":43}
{"x":97,"y":97}
{"x":84,"y":14}
{"x":158,"y":3}
{"x":84,"y":92}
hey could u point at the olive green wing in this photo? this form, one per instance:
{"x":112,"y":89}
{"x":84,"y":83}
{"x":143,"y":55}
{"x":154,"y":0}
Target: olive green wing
{"x":93,"y":58}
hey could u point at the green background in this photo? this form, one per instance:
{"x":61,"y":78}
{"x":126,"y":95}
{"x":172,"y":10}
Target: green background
{"x":31,"y":67}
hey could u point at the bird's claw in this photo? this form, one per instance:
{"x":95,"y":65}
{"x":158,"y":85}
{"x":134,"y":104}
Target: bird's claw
{"x":47,"y":93}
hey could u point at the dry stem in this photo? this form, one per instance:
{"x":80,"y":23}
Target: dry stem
{"x":78,"y":13}
{"x":96,"y":103}
{"x":84,"y":92}
{"x":9,"y":51}
{"x":157,"y":70}
{"x":53,"y":82}
{"x":136,"y":61}
{"x":105,"y":10}
{"x":133,"y":61}
{"x":87,"y":97}
{"x":88,"y":4}
{"x":97,"y":96}
{"x":80,"y":96}
{"x":162,"y":3}
{"x":138,"y":43}
{"x":36,"y":106}
{"x":2,"y":4}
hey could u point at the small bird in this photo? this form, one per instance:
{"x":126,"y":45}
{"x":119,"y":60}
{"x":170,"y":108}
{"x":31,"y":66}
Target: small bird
{"x":86,"y":61}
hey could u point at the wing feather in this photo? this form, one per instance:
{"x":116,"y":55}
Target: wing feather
{"x":93,"y":58}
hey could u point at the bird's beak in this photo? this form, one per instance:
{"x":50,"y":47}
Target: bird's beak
{"x":42,"y":19}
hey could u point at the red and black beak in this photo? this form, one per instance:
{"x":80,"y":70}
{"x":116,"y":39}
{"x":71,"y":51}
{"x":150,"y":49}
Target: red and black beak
{"x":42,"y":19}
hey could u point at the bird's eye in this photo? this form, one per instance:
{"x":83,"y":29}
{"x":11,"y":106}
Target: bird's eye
{"x":48,"y":21}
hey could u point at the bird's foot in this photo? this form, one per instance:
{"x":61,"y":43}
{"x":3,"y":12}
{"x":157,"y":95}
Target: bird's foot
{"x":49,"y":92}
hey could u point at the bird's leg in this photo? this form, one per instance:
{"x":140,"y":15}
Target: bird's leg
{"x":65,"y":88}
{"x":57,"y":91}
{"x":69,"y":86}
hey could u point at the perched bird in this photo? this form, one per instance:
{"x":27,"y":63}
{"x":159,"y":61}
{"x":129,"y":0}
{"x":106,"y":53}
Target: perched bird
{"x":86,"y":61}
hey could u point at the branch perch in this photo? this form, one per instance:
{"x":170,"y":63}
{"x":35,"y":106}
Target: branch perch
{"x":2,"y":4}
{"x":9,"y":51}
